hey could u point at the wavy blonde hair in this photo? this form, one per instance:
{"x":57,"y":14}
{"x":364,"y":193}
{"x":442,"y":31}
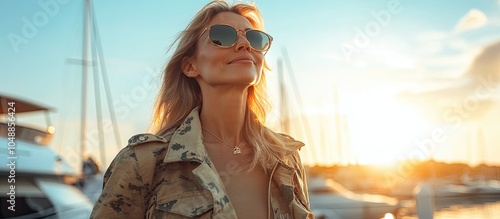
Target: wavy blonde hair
{"x":179,"y":94}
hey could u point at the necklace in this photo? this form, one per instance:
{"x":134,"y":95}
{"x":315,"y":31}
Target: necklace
{"x":236,"y":149}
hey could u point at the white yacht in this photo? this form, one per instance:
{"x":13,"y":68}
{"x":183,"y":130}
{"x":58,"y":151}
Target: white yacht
{"x":37,"y":180}
{"x":330,"y":199}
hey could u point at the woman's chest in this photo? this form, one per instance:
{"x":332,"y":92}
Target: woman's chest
{"x":248,"y":192}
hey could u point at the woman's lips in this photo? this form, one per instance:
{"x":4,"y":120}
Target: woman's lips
{"x":242,"y":60}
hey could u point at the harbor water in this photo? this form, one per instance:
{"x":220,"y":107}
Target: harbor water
{"x":466,"y":208}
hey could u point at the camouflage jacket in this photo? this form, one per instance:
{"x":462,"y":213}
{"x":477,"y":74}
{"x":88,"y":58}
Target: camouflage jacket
{"x":171,"y":176}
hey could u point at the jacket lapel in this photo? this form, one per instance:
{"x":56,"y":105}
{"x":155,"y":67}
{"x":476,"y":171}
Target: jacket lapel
{"x":187,"y":145}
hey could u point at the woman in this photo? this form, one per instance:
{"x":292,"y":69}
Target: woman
{"x":211,"y":156}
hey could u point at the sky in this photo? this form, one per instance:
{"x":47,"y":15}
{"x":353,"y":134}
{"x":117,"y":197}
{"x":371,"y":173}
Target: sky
{"x":371,"y":82}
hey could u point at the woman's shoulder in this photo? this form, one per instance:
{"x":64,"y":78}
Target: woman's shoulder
{"x":292,"y":156}
{"x":289,"y":142}
{"x":145,"y":138}
{"x":289,"y":138}
{"x":145,"y":145}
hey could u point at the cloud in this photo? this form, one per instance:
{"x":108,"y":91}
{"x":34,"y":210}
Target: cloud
{"x":474,"y":95}
{"x":487,"y":63}
{"x":473,"y":19}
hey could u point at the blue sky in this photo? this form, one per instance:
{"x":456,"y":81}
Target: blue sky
{"x":371,"y":51}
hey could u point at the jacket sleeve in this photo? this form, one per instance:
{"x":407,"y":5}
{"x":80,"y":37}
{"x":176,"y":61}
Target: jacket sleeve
{"x":304,"y":180}
{"x":124,"y":192}
{"x":304,"y":211}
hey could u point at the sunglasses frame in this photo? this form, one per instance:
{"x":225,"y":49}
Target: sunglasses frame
{"x":207,"y":29}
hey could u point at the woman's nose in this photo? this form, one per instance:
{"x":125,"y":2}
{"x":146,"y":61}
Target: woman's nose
{"x":242,"y":42}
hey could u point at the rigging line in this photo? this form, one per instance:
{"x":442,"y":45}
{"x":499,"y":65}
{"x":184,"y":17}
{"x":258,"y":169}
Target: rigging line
{"x":60,"y":121}
{"x":284,"y":115}
{"x":299,"y":99}
{"x":68,"y":84}
{"x":105,"y":80}
{"x":97,"y":90}
{"x":84,"y":78}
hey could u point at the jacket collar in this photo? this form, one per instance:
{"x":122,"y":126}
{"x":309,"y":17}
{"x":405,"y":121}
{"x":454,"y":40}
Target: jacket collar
{"x":186,"y":143}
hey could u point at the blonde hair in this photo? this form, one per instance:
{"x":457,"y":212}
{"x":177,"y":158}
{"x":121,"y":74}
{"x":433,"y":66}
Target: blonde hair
{"x":179,"y":94}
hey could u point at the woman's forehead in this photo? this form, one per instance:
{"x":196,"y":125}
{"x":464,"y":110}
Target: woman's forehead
{"x":232,"y":19}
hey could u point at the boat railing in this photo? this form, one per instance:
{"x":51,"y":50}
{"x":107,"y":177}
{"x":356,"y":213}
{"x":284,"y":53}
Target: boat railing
{"x":28,"y":134}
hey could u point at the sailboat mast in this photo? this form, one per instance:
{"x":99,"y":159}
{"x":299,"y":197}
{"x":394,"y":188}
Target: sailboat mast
{"x":86,"y":42}
{"x":285,"y":127}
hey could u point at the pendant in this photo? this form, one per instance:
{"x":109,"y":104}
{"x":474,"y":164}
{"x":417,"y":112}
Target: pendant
{"x":237,"y":150}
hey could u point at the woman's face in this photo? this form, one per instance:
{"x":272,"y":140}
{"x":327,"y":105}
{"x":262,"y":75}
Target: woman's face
{"x":237,"y":65}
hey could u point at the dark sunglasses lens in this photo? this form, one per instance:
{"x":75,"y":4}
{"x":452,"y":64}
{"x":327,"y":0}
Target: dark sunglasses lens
{"x":222,"y":35}
{"x":258,"y":40}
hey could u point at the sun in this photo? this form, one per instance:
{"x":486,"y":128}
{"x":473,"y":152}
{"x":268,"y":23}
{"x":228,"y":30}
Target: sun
{"x":382,"y":129}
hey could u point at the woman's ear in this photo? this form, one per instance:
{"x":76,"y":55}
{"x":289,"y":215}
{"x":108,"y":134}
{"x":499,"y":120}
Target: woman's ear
{"x":188,"y":67}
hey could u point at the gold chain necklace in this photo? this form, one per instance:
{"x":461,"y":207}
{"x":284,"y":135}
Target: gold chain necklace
{"x":236,"y":149}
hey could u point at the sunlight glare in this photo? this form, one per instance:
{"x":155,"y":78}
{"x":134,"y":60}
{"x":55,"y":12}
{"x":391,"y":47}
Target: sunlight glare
{"x":51,"y":129}
{"x":391,"y":58}
{"x":388,"y":216}
{"x":381,"y":129}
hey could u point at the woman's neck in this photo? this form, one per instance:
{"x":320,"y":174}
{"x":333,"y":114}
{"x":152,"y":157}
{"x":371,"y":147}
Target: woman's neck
{"x":223,"y":113}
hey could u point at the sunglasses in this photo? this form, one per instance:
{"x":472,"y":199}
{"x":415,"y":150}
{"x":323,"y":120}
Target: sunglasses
{"x":225,"y":36}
